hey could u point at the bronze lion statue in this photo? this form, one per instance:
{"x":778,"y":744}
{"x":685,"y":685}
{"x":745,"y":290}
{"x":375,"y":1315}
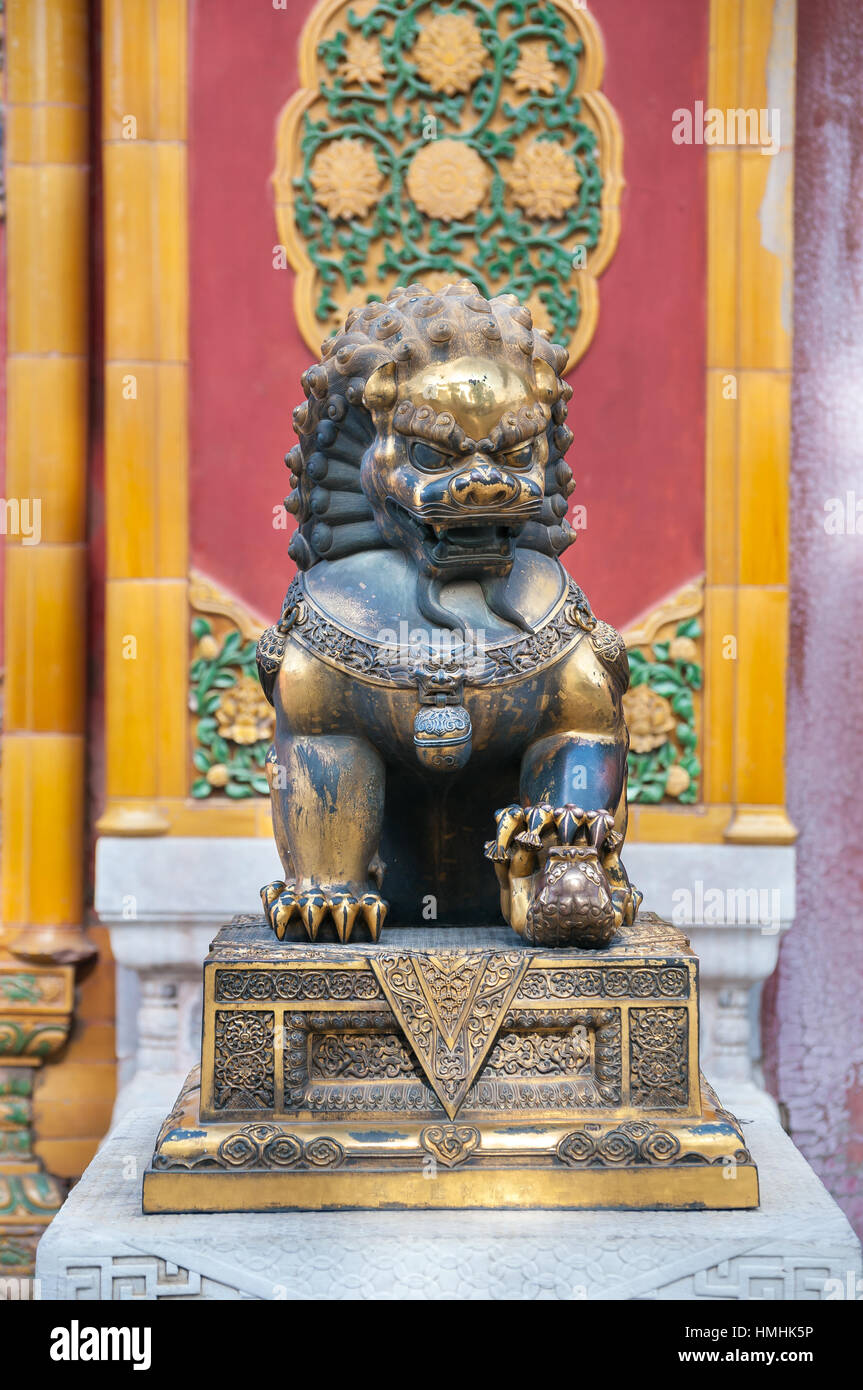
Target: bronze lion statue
{"x":433,"y":660}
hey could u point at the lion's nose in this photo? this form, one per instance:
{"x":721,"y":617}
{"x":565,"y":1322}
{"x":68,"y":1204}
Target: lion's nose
{"x":483,"y":485}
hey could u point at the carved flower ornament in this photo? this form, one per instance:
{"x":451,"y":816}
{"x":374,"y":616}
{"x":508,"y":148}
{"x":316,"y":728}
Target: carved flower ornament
{"x":544,"y":180}
{"x":649,"y":717}
{"x":346,"y":178}
{"x":447,"y":179}
{"x":449,"y":53}
{"x":243,"y":715}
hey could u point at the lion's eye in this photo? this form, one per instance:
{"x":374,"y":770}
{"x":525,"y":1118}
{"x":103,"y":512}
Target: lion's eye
{"x":520,"y":457}
{"x":425,"y":456}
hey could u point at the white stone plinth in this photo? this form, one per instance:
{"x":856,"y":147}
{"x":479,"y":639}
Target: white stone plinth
{"x":100,"y":1246}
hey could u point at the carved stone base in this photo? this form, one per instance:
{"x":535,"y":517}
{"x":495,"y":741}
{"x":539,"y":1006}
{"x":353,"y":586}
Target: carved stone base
{"x":449,"y":1069}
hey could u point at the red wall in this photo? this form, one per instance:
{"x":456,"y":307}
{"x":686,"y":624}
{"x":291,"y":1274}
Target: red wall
{"x":638,"y":408}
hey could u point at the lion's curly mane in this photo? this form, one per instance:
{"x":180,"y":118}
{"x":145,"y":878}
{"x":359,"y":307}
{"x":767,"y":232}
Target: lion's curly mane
{"x":412,"y":328}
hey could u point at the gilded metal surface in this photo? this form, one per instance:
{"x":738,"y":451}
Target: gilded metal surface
{"x":348,"y":1075}
{"x":450,"y":1007}
{"x":434,"y":661}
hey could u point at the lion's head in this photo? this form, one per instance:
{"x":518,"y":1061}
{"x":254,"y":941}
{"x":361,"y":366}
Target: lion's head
{"x":434,"y":423}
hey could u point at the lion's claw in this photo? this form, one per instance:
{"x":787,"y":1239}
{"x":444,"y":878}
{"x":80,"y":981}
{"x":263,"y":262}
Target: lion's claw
{"x":284,"y":901}
{"x":344,"y":908}
{"x":374,"y":912}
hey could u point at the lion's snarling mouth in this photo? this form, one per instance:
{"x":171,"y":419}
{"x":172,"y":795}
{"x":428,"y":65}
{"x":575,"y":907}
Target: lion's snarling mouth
{"x":478,"y":540}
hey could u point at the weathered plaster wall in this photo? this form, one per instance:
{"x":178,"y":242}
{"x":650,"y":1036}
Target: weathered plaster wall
{"x":814,"y":1004}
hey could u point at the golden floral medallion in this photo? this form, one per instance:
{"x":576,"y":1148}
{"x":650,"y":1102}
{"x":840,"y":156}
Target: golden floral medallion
{"x":243,"y":715}
{"x":346,"y":178}
{"x":544,"y":180}
{"x":362,"y":61}
{"x":650,"y":718}
{"x":447,"y":179}
{"x":535,"y":71}
{"x":449,"y":53}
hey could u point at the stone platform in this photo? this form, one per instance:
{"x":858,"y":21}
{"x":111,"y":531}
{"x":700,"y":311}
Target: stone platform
{"x":100,"y":1246}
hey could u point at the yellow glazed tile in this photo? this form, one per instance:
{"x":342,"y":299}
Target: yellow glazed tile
{"x":131,"y":297}
{"x":680,"y":825}
{"x":171,"y":269}
{"x":57,"y":862}
{"x":46,"y":51}
{"x":756,"y":34}
{"x":761,"y":825}
{"x":68,"y":1158}
{"x":43,"y":788}
{"x":47,"y":259}
{"x":46,"y":448}
{"x":723,"y":82}
{"x":204,"y":818}
{"x":720,"y":484}
{"x":765,"y":260}
{"x":171,"y":476}
{"x":66,"y":63}
{"x":45,"y":639}
{"x":24,"y":79}
{"x":145,"y":668}
{"x":722,"y":257}
{"x":146,"y":490}
{"x":721,"y":644}
{"x":131,"y":476}
{"x":128,"y":68}
{"x":77,"y":1096}
{"x":765,"y":425}
{"x":15,"y":822}
{"x":47,"y":135}
{"x":171,"y":59}
{"x":172,"y":626}
{"x":762,"y":620}
{"x":132,"y":686}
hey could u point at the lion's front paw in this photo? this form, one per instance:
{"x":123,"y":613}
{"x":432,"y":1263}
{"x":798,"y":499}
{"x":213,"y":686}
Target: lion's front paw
{"x":523,"y":832}
{"x":314,"y":905}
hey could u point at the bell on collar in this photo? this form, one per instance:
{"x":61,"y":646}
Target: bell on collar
{"x":442,"y":736}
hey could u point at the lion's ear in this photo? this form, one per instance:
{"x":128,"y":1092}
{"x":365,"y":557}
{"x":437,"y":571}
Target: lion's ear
{"x":548,"y":386}
{"x":380,"y":389}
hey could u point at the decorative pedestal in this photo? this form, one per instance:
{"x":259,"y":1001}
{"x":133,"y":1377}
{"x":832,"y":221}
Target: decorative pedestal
{"x":164,"y":899}
{"x":449,"y":1068}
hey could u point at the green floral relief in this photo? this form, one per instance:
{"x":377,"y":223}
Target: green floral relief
{"x":234,"y":725}
{"x":450,"y":143}
{"x":660,"y":712}
{"x":20,"y":989}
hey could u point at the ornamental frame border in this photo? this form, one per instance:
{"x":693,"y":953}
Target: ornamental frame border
{"x":747,"y":450}
{"x":611,"y":164}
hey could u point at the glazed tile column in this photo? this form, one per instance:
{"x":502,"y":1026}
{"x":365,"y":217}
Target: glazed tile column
{"x":750,"y":257}
{"x":144,"y":163}
{"x":44,"y":745}
{"x":748,"y":350}
{"x":46,"y":480}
